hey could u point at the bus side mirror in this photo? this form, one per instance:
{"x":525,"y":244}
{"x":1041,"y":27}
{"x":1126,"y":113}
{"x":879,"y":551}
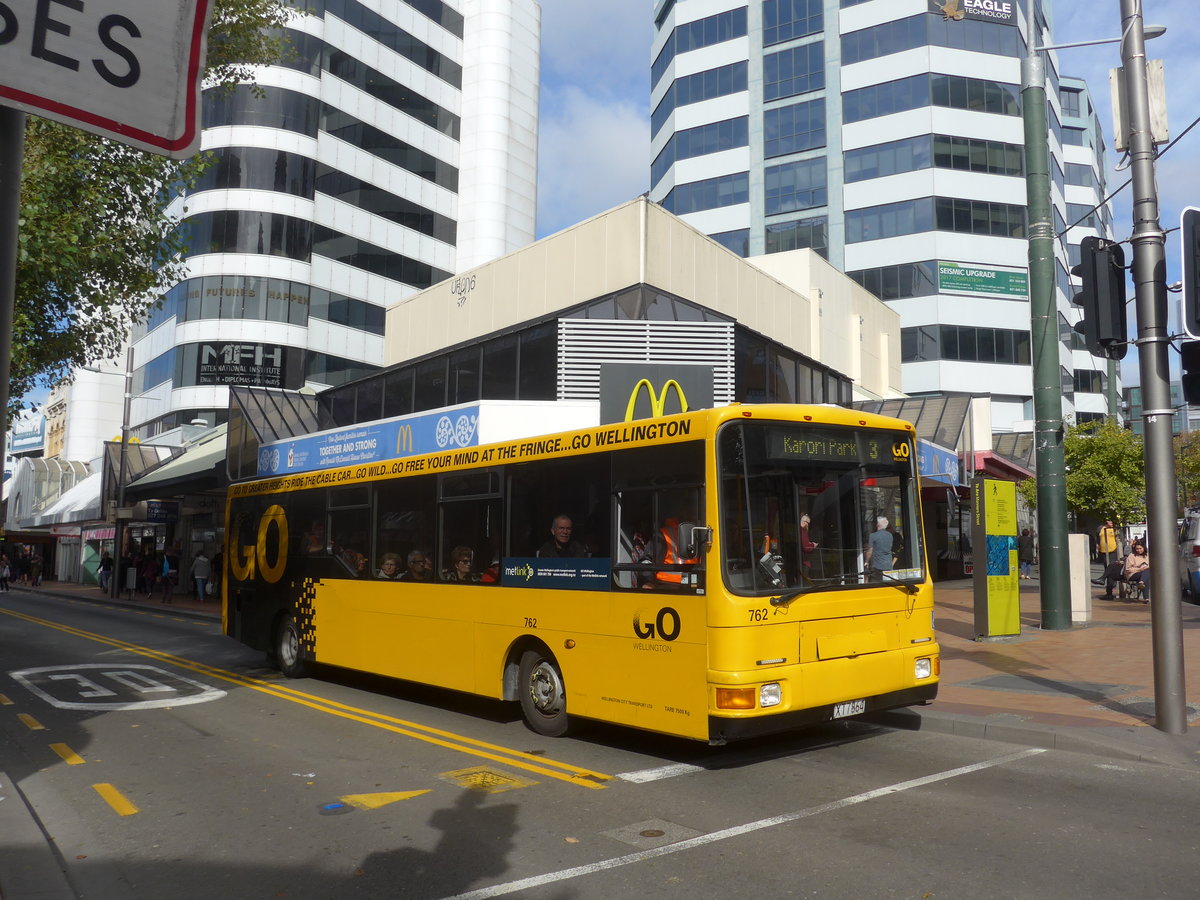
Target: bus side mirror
{"x":693,"y":538}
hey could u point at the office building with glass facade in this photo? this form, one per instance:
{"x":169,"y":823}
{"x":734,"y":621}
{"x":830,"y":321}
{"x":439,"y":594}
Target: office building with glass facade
{"x":887,"y":137}
{"x":394,"y":146}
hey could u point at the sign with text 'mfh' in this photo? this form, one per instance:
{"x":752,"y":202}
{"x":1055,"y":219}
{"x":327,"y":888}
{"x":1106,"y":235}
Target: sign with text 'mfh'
{"x":124,"y":69}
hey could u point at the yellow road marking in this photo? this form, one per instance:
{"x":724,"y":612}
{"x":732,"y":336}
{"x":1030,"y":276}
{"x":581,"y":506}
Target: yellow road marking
{"x":115,"y":799}
{"x":4,"y":701}
{"x":374,"y":801}
{"x":519,"y":759}
{"x":70,"y":757}
{"x":30,"y":722}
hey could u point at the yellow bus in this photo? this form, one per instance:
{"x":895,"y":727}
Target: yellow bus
{"x":714,"y":575}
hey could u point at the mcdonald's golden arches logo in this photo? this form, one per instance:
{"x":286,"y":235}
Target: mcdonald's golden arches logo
{"x":658,"y":401}
{"x":404,"y":439}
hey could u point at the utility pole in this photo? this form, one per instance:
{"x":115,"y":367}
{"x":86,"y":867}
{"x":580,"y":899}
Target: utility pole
{"x":12,"y":151}
{"x":1043,"y":319}
{"x":1153,"y":340}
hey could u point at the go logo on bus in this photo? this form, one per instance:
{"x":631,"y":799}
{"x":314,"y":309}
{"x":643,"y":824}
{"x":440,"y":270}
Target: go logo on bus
{"x":901,"y":450}
{"x":246,"y":559}
{"x":666,"y":625}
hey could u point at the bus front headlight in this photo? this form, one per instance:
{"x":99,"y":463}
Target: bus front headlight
{"x":770,"y":695}
{"x":924,"y":668}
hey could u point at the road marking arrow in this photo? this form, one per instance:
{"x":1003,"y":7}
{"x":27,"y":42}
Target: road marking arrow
{"x":374,"y":801}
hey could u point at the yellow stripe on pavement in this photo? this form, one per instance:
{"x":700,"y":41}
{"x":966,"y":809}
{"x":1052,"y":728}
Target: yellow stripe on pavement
{"x":4,"y":701}
{"x":30,"y":722}
{"x":116,"y":800}
{"x":540,"y":765}
{"x":70,"y":757}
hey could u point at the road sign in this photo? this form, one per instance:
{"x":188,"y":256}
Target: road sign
{"x":124,"y":69}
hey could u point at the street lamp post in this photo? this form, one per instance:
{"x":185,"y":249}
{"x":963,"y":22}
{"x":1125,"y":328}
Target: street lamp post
{"x":1152,"y":341}
{"x":1043,"y":320}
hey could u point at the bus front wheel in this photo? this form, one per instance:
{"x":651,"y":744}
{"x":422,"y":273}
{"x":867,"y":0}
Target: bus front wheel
{"x":287,"y":648}
{"x":542,"y":694}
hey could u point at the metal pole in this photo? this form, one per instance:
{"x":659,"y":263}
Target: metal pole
{"x":1047,"y":387}
{"x":119,"y":529}
{"x":1149,"y":280}
{"x":12,"y":152}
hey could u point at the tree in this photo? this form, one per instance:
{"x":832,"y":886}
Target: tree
{"x":1106,"y":477}
{"x":1187,"y":468}
{"x":96,"y":246}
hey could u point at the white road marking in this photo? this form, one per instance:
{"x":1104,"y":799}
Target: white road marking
{"x":641,"y":776}
{"x":499,"y":890}
{"x":135,"y":679}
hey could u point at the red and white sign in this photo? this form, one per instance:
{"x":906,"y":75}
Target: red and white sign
{"x":128,"y":70}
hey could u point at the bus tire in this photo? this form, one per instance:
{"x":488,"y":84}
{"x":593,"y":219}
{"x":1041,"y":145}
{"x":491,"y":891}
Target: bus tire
{"x":543,"y":694}
{"x":287,"y":648}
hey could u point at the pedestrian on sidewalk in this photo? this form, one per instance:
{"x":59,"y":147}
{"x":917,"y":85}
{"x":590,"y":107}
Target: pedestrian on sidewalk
{"x":170,"y":573}
{"x":35,"y":569}
{"x":201,"y":571}
{"x":1107,"y":542}
{"x":5,"y":572}
{"x":1026,"y":553}
{"x":104,"y":570}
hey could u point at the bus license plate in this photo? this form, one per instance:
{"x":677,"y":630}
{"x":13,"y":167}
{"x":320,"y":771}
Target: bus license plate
{"x":849,"y":708}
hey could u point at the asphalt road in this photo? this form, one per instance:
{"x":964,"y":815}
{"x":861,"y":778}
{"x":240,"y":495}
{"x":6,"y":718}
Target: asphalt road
{"x":165,"y":760}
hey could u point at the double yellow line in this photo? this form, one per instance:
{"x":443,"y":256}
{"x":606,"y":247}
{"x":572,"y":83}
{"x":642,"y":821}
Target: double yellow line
{"x":539,"y":765}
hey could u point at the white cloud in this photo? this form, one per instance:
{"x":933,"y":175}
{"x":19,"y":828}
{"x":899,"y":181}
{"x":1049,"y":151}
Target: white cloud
{"x":593,"y":155}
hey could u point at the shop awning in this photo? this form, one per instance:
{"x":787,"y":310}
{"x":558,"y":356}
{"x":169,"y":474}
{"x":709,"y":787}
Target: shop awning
{"x":79,"y":504}
{"x":200,"y":468}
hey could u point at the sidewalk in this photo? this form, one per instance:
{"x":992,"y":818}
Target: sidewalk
{"x":1088,"y":689}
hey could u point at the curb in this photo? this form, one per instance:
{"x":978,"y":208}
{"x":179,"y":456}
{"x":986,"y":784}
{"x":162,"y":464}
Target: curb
{"x":1131,"y":743}
{"x":30,"y":868}
{"x":214,"y":616}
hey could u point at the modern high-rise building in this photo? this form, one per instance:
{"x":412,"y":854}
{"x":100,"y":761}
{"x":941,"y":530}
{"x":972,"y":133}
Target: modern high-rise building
{"x":887,"y":136}
{"x":394,"y":146}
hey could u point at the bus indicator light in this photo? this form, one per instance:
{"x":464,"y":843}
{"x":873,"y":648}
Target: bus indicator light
{"x":735,"y":698}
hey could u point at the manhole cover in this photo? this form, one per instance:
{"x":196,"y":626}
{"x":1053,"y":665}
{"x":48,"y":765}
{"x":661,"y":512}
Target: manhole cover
{"x":484,"y":779}
{"x":651,"y":834}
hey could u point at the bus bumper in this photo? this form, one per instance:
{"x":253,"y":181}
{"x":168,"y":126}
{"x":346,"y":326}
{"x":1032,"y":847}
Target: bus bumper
{"x":722,"y":730}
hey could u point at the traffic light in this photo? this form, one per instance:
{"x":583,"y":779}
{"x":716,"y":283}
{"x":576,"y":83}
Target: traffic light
{"x":1102,"y":297}
{"x":1189,"y":230}
{"x":1190,"y":351}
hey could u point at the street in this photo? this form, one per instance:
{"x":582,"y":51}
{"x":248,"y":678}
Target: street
{"x":164,"y":759}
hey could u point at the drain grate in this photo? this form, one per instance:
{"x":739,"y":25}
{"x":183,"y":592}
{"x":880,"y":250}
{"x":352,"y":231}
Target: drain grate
{"x":485,"y":780}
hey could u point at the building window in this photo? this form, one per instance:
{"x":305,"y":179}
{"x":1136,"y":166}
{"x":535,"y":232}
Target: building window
{"x":248,"y":231}
{"x":784,"y":20}
{"x":711,"y":193}
{"x":1070,"y":103}
{"x":964,"y":343}
{"x":794,"y":128}
{"x":272,"y":108}
{"x":693,"y":35}
{"x":917,"y":279}
{"x":1081,"y":176}
{"x":935,"y":213}
{"x":358,"y":74}
{"x":977,"y":155}
{"x":737,"y":241}
{"x":794,"y":71}
{"x":353,"y":252}
{"x":375,"y":200}
{"x":812,"y":234}
{"x":388,"y":148}
{"x":396,"y":39}
{"x":718,"y":82}
{"x":258,"y":169}
{"x":889,"y":220}
{"x":795,"y":185}
{"x":1081,"y":215}
{"x":700,"y":141}
{"x":930,"y":29}
{"x":1089,"y":381}
{"x":916,"y":91}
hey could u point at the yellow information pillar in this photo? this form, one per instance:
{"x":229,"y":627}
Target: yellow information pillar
{"x":997,"y":588}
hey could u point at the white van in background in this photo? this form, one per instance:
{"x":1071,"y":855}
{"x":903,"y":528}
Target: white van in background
{"x":1189,"y":554}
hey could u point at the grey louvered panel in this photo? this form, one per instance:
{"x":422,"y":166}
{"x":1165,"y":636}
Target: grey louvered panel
{"x":584,"y":344}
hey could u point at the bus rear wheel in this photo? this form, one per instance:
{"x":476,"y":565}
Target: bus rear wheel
{"x":287,"y":648}
{"x":542,"y":694}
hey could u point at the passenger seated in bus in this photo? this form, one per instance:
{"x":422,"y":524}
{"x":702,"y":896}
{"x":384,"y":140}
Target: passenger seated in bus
{"x":561,"y":543}
{"x":418,"y":568}
{"x":389,"y":566}
{"x":461,"y":570}
{"x":314,"y":537}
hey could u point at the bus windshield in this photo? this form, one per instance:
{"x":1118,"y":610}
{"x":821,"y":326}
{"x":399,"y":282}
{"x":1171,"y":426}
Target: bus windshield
{"x":807,"y":507}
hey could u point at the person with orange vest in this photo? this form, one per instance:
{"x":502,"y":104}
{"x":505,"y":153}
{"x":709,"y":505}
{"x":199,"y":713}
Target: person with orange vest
{"x":671,"y":553}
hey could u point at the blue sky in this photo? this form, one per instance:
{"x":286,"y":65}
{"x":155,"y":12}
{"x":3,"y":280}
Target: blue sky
{"x":595,"y":131}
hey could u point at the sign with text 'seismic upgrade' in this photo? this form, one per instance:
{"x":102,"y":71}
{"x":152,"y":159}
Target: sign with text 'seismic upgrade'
{"x":962,"y":278}
{"x":128,"y":70}
{"x":370,"y":442}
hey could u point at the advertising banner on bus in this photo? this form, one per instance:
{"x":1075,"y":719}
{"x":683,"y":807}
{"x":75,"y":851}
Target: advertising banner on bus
{"x":372,"y":442}
{"x":566,"y":573}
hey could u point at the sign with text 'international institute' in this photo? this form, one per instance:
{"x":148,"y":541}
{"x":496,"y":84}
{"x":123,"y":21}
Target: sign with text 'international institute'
{"x":963,"y":278}
{"x":128,"y":70}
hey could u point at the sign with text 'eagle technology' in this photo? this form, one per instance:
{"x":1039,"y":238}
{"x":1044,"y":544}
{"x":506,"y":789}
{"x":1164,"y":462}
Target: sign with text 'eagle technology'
{"x":124,"y":69}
